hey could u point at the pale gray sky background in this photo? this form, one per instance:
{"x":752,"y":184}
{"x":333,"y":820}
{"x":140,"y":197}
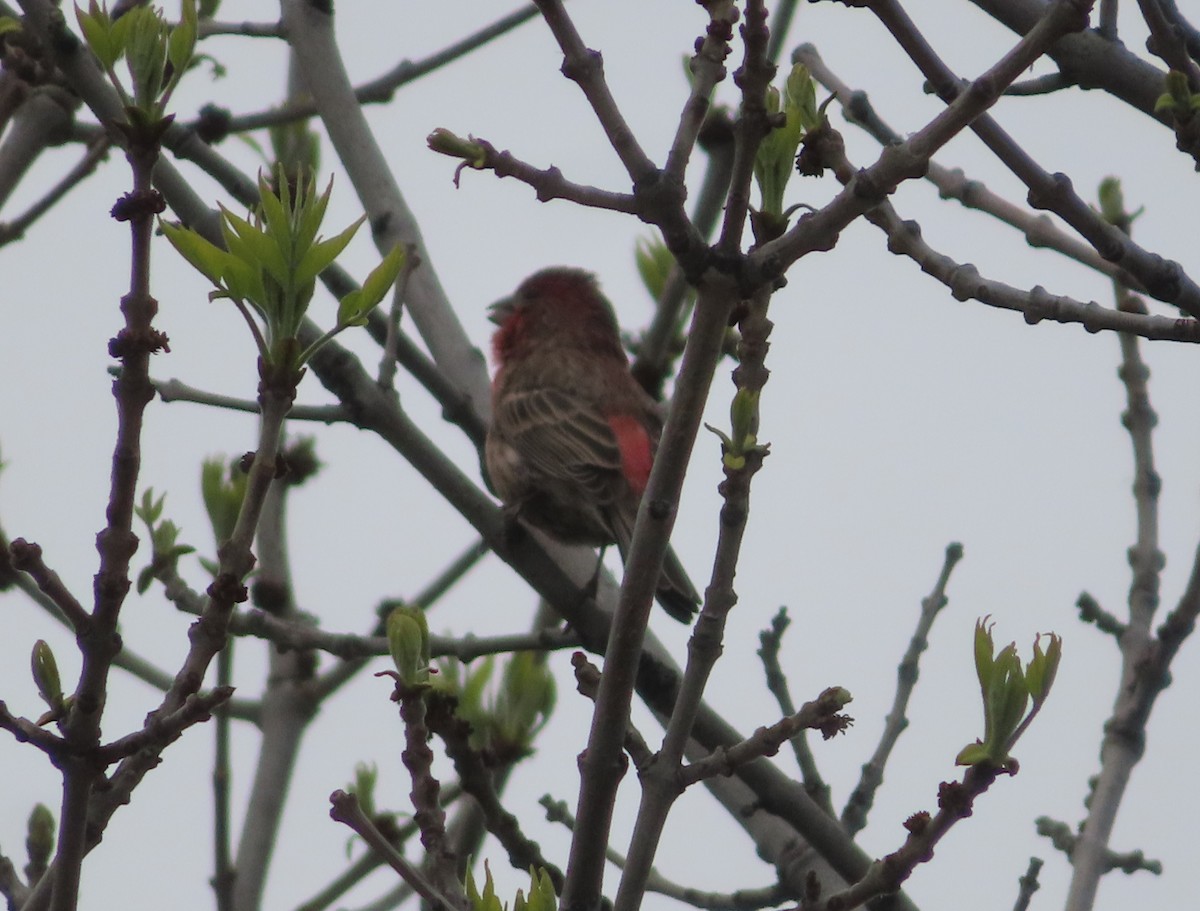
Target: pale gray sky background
{"x":899,"y":420}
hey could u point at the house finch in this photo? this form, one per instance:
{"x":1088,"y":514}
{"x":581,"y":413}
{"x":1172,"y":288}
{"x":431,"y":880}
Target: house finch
{"x":573,"y":435}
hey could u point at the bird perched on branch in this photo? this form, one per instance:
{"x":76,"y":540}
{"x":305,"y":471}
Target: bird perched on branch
{"x":573,"y":435}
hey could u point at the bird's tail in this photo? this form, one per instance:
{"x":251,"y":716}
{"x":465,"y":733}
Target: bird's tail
{"x":674,"y":591}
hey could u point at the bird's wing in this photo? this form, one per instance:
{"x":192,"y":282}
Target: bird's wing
{"x":561,"y":436}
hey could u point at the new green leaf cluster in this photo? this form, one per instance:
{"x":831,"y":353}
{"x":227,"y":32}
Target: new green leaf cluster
{"x":270,"y":264}
{"x":541,"y":893}
{"x":1012,"y":693}
{"x":776,"y":156}
{"x":505,"y":719}
{"x":156,"y":53}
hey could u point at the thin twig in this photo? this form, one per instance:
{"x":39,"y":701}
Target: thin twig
{"x":222,"y":784}
{"x":952,"y":183}
{"x":965,"y":282}
{"x":584,"y":66}
{"x":600,"y":768}
{"x":97,"y":151}
{"x":587,"y":682}
{"x":1189,"y":33}
{"x":654,"y":357}
{"x":1040,"y":85}
{"x":1125,"y":733}
{"x":1028,"y":884}
{"x":752,"y":126}
{"x":210,"y":28}
{"x":662,"y":782}
{"x":777,"y":683}
{"x":854,"y":815}
{"x":781,"y":23}
{"x":370,"y":861}
{"x":178,"y":391}
{"x":287,"y":706}
{"x":476,"y":779}
{"x":1090,"y":611}
{"x":1167,"y":44}
{"x":165,"y":730}
{"x":821,"y":714}
{"x":344,"y":808}
{"x":741,"y":900}
{"x":387,"y":364}
{"x":378,"y":91}
{"x":1108,"y":20}
{"x":955,"y":803}
{"x":548,"y":183}
{"x":1163,"y":279}
{"x":707,"y":68}
{"x":27,"y":557}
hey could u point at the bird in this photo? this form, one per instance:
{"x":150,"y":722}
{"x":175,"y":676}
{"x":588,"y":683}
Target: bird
{"x":573,"y":435}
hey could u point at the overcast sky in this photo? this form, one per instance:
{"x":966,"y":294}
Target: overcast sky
{"x":899,"y":420}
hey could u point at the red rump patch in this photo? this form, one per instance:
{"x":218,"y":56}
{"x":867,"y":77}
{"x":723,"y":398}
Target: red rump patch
{"x":636,"y":454}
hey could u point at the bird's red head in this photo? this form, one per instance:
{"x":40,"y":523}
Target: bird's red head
{"x":560,"y":303}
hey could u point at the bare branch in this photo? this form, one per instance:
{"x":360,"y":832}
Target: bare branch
{"x":214,"y":124}
{"x":741,"y":900}
{"x":345,"y":809}
{"x":1165,"y":43}
{"x":585,"y":67}
{"x":27,"y":557}
{"x":777,"y":683}
{"x":96,"y":152}
{"x":952,"y":183}
{"x":821,"y":714}
{"x":1090,"y":611}
{"x":909,"y":159}
{"x":1029,"y":884}
{"x":854,"y":816}
{"x":548,"y":183}
{"x":1163,"y":279}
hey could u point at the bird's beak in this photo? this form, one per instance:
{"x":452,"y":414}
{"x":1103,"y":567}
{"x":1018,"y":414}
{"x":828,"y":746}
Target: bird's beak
{"x":500,"y":311}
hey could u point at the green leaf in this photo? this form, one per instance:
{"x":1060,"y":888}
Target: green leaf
{"x":222,"y":487}
{"x":366,"y":775}
{"x":119,"y":35}
{"x":39,"y":835}
{"x":207,"y":258}
{"x":531,"y":694}
{"x":984,"y":649}
{"x":408,"y":642}
{"x":1043,"y":668}
{"x":541,"y":891}
{"x":150,"y":510}
{"x":1009,"y":698}
{"x":654,"y":262}
{"x":445,"y":142}
{"x":800,"y":95}
{"x":477,"y":680}
{"x":253,"y":246}
{"x":277,"y":216}
{"x":317,"y":258}
{"x":311,"y":217}
{"x":353,"y":310}
{"x":146,"y":54}
{"x":743,"y":415}
{"x":145,"y":579}
{"x":972,"y":754}
{"x":45,"y":674}
{"x":182,"y":40}
{"x":97,"y":32}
